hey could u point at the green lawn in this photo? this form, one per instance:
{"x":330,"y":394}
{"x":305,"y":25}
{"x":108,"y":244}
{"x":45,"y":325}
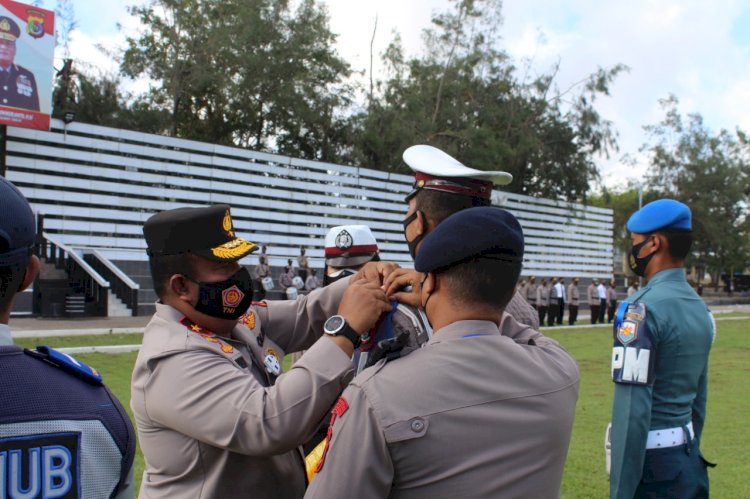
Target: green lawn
{"x":725,"y":439}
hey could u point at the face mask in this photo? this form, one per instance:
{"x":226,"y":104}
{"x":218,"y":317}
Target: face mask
{"x":638,"y":264}
{"x":227,"y":299}
{"x":335,"y":276}
{"x":414,"y":242}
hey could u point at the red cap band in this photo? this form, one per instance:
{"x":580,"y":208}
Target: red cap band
{"x":464,"y":186}
{"x":352,"y":250}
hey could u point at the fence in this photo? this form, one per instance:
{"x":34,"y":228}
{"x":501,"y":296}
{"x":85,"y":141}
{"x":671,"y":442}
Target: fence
{"x":96,"y":187}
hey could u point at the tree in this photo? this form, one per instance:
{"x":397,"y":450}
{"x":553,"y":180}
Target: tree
{"x":249,"y":73}
{"x":464,"y":97}
{"x":710,"y":172}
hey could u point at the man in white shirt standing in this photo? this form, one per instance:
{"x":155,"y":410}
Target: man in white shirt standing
{"x":602,"y":291}
{"x":561,"y":297}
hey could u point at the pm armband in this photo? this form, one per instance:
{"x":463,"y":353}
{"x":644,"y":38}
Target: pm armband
{"x":633,"y":353}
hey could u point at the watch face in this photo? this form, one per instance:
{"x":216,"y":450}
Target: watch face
{"x":333,"y":324}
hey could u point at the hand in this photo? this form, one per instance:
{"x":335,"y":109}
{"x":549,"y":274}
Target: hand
{"x":363,"y":303}
{"x":397,"y":283}
{"x":375,"y":271}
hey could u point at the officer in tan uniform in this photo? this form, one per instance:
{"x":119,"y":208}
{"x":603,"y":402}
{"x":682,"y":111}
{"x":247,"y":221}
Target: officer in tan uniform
{"x":214,"y":416}
{"x":444,"y":186}
{"x":473,"y":413}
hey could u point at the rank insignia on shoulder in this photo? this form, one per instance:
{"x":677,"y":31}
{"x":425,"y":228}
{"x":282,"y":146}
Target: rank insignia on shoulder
{"x":249,"y":319}
{"x":66,"y":363}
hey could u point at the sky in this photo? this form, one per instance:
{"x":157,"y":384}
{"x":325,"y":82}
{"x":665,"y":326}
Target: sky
{"x":697,"y":50}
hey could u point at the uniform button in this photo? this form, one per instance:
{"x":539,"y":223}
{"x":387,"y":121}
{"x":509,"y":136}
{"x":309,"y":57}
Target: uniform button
{"x":417,"y":425}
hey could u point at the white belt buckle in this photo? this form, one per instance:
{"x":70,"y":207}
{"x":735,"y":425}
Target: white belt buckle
{"x":668,"y":437}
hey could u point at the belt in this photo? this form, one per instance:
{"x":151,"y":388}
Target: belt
{"x":668,"y":437}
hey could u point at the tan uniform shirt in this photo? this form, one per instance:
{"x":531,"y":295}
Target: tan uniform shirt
{"x":452,"y":421}
{"x":574,"y":296}
{"x":542,"y":295}
{"x":522,"y":311}
{"x":212,"y":423}
{"x":593,"y":295}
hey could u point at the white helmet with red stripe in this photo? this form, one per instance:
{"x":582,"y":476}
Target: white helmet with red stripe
{"x":350,"y":246}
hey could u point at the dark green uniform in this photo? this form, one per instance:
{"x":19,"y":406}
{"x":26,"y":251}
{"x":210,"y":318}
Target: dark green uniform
{"x":674,"y":339}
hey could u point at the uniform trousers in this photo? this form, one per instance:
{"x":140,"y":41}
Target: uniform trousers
{"x":542,"y":309}
{"x":572,"y":314}
{"x":678,"y":471}
{"x":594,"y":313}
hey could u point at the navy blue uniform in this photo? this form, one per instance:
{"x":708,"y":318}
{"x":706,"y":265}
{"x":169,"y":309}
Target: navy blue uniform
{"x":61,"y":434}
{"x":18,"y":88}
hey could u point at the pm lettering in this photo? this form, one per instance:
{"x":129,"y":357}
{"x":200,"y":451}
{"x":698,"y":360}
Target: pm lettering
{"x":631,"y":365}
{"x":39,"y":466}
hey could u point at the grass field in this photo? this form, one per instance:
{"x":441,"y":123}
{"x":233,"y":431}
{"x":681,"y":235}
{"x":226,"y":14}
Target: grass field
{"x":726,"y":439}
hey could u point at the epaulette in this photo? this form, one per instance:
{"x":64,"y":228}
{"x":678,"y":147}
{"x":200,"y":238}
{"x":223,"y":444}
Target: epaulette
{"x":66,"y":363}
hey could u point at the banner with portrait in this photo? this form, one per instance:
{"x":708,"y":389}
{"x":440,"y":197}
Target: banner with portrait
{"x":27,"y":47}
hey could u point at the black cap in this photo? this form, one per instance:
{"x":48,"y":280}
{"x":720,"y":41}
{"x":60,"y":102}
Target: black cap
{"x":17,"y":227}
{"x":206,"y":232}
{"x":481,"y":232}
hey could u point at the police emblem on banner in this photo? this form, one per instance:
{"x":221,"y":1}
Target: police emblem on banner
{"x":627,"y":332}
{"x":344,"y":240}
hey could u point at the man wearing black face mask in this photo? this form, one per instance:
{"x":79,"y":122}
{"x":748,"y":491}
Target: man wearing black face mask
{"x":662,"y":338}
{"x":444,"y":186}
{"x":214,"y":414}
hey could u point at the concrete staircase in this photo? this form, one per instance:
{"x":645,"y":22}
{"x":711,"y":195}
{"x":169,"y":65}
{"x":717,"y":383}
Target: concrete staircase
{"x":116,"y":307}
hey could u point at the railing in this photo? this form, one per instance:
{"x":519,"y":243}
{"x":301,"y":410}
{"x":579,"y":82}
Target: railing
{"x":122,"y":286}
{"x":81,"y":275}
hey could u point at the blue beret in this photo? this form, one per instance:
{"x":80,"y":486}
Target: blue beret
{"x":659,"y":215}
{"x":17,"y":225}
{"x":485,"y":232}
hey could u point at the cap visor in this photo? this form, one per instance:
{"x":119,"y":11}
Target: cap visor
{"x":349,"y":261}
{"x":229,"y":252}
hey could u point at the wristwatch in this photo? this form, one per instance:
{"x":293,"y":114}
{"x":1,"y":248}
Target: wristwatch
{"x":336,"y":325}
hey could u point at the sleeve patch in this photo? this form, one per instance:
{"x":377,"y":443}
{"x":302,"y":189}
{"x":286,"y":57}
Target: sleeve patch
{"x":634,"y":352}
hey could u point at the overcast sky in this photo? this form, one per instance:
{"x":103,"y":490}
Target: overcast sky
{"x":697,"y":50}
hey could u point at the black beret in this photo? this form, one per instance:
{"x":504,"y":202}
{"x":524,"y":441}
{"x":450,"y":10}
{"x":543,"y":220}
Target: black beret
{"x":206,"y":232}
{"x":481,"y":232}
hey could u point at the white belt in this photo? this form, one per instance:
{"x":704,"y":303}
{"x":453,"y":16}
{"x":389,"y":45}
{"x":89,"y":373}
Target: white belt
{"x":668,"y":437}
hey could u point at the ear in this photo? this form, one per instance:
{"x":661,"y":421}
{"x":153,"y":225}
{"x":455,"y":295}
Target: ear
{"x":429,"y":285}
{"x":178,"y":284}
{"x":659,"y":241}
{"x":32,"y":269}
{"x":421,"y":223}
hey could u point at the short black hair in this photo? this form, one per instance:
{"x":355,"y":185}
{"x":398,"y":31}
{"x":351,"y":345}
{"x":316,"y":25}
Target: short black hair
{"x":439,"y":205}
{"x":11,"y":277}
{"x":165,"y":266}
{"x":483,"y":281}
{"x":679,"y":241}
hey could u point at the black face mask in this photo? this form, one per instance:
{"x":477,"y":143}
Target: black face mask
{"x":335,"y":276}
{"x":638,"y":264}
{"x":227,"y":299}
{"x":414,"y":242}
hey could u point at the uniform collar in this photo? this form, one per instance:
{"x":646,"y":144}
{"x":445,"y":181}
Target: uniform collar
{"x":5,"y":338}
{"x":675,"y":274}
{"x":458,"y":330}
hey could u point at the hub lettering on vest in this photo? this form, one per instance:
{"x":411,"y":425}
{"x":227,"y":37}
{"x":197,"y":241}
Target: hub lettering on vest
{"x":40,"y":466}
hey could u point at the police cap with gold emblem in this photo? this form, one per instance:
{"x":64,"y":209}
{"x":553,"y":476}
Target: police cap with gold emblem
{"x":9,"y":30}
{"x":480,"y":232}
{"x":438,"y":171}
{"x":207,"y":232}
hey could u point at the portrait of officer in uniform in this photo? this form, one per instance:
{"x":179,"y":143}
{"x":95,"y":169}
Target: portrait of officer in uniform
{"x":17,"y":84}
{"x":662,"y":338}
{"x":452,"y":419}
{"x":215,"y":415}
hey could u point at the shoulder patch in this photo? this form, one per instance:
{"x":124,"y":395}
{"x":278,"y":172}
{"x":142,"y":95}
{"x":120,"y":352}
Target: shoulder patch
{"x":66,"y":363}
{"x":249,"y":319}
{"x":259,"y":303}
{"x":634,"y":351}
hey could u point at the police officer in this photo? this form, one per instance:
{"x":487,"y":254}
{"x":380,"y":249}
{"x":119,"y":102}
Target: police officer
{"x":62,"y":432}
{"x":408,"y":427}
{"x":214,"y":415}
{"x":17,"y":84}
{"x":574,"y":295}
{"x":444,"y":186}
{"x":662,"y":337}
